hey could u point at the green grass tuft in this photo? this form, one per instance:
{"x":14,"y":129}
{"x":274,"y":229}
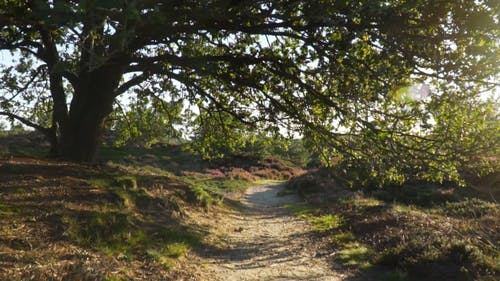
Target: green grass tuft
{"x":312,"y":214}
{"x":6,"y":209}
{"x":114,"y":277}
{"x":326,"y":222}
{"x":303,"y":211}
{"x":118,"y":233}
{"x":355,"y":255}
{"x":202,"y":196}
{"x":342,"y":238}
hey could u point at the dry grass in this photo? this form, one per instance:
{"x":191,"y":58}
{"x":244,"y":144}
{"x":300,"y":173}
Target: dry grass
{"x":62,"y":221}
{"x":414,"y":232}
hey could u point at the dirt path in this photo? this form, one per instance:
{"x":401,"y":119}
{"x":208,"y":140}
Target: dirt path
{"x":261,"y":240}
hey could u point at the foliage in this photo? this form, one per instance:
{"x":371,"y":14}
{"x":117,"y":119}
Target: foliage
{"x":339,"y":73}
{"x":218,"y":135}
{"x":146,"y":122}
{"x":446,"y":137}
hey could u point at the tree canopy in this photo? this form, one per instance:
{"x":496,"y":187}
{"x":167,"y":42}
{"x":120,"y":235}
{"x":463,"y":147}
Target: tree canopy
{"x":335,"y":71}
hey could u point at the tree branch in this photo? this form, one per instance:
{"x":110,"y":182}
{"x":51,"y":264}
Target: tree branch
{"x":71,"y":77}
{"x":134,"y":81}
{"x":26,"y":122}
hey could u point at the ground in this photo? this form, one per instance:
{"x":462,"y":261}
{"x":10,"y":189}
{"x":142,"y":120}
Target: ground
{"x":161,"y":214}
{"x":259,"y":238}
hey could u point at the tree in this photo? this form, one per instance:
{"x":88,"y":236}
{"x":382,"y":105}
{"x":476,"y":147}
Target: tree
{"x":326,"y":66}
{"x":148,"y":121}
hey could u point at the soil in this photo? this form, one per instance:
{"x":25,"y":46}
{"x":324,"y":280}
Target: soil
{"x":260,"y":239}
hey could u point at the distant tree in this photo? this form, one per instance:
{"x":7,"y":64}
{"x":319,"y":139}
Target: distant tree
{"x":145,"y":122}
{"x":216,"y":134}
{"x":329,"y":67}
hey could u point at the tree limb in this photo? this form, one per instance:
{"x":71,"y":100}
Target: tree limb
{"x":26,"y":122}
{"x":134,"y":81}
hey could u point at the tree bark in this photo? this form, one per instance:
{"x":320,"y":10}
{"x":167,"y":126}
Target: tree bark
{"x":92,"y":102}
{"x":81,"y":136}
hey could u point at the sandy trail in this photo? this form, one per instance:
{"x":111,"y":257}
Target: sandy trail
{"x":261,"y":240}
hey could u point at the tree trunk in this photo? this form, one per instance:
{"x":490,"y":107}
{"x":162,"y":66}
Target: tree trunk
{"x":59,"y":112}
{"x":91,"y":104}
{"x":81,"y":135}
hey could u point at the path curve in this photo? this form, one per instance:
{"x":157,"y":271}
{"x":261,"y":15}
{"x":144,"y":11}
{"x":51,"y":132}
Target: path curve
{"x":261,"y":240}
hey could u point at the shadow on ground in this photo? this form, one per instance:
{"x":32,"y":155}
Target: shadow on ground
{"x":419,"y":231}
{"x":63,"y":221}
{"x":260,"y":239}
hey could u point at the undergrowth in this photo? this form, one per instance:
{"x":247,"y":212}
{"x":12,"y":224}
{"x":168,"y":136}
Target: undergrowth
{"x":128,"y":230}
{"x":404,"y":233}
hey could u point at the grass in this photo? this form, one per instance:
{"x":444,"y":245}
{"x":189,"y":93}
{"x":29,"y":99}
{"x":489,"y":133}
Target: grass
{"x":123,"y":232}
{"x":319,"y":223}
{"x":326,"y":222}
{"x":206,"y":189}
{"x":395,"y":276}
{"x":26,"y":152}
{"x":287,"y":191}
{"x":409,"y":209}
{"x":355,"y":255}
{"x":360,"y":202}
{"x":203,"y":198}
{"x":117,"y":232}
{"x":112,"y":221}
{"x":114,"y":277}
{"x":168,"y":254}
{"x":58,"y":214}
{"x":209,"y":191}
{"x":7,"y":210}
{"x":468,"y":208}
{"x":342,"y":238}
{"x":303,"y":211}
{"x":407,"y":233}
